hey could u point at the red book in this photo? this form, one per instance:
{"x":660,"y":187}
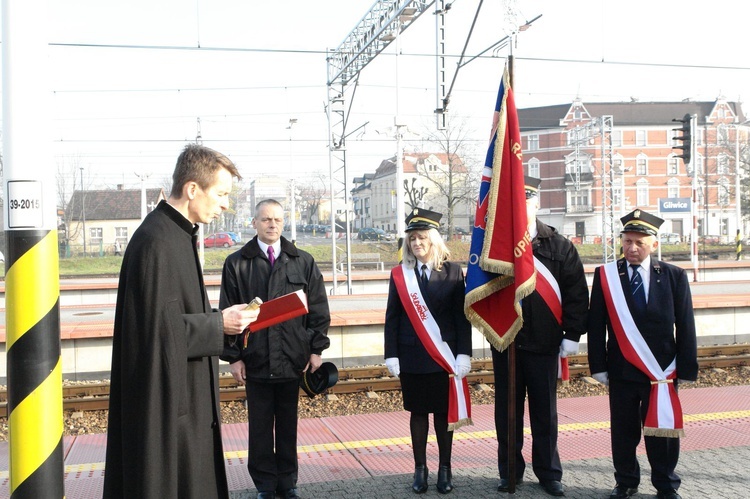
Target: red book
{"x":278,"y":310}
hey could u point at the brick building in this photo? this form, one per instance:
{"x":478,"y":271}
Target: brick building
{"x":627,"y":148}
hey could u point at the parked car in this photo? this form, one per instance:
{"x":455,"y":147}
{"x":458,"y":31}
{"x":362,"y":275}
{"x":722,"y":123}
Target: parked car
{"x":669,"y":238}
{"x":373,"y":234}
{"x":220,"y":239}
{"x":709,"y":239}
{"x":236,"y":237}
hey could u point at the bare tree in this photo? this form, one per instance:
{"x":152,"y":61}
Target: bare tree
{"x":452,"y":181}
{"x":67,"y":169}
{"x":311,"y":193}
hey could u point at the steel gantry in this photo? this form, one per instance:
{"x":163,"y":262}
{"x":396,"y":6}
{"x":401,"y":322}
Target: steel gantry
{"x":372,"y":34}
{"x":601,"y":128}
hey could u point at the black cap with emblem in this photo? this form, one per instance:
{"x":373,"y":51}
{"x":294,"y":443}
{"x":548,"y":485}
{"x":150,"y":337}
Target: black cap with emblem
{"x":641,"y":221}
{"x":422,"y":219}
{"x":531,"y":185}
{"x":314,"y":383}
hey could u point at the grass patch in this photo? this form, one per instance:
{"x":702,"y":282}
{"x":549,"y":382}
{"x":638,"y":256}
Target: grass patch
{"x":214,"y":257}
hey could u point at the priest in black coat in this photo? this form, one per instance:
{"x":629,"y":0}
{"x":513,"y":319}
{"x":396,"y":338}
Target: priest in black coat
{"x":164,"y":435}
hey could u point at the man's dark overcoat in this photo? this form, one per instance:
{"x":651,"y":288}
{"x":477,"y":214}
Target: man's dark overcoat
{"x":164,"y":435}
{"x":668,"y":326}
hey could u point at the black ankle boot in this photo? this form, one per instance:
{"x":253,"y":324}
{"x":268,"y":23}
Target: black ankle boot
{"x":420,"y":479}
{"x":444,"y":484}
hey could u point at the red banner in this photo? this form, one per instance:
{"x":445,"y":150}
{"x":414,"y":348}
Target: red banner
{"x":501,"y":266}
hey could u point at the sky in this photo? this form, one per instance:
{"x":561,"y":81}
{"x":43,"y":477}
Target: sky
{"x":133,"y":81}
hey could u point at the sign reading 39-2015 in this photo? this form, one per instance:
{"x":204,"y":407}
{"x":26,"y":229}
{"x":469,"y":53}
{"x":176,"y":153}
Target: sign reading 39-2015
{"x":25,"y":204}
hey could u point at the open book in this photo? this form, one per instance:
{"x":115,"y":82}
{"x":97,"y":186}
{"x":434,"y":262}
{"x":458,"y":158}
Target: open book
{"x":278,"y":310}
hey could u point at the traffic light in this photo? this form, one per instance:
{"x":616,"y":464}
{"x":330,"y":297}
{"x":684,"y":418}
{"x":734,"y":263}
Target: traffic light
{"x":685,"y":138}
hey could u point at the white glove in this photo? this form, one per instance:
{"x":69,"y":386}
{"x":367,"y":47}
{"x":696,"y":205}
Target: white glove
{"x":393,"y":366}
{"x":568,"y":347}
{"x":463,"y":365}
{"x":602,"y":377}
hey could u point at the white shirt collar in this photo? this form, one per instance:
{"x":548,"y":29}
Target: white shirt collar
{"x":276,"y":247}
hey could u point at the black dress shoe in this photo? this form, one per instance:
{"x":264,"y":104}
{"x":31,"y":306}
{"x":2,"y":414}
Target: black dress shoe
{"x":622,"y":492}
{"x":444,"y":484}
{"x":667,"y":494}
{"x":505,"y":484}
{"x":266,"y":495}
{"x":420,"y":479}
{"x":552,"y":487}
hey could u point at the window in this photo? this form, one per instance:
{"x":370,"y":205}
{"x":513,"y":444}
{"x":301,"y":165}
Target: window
{"x":722,"y":134}
{"x":618,"y":164}
{"x":723,"y":186}
{"x":673,"y":188}
{"x":617,"y":192}
{"x":641,"y":137}
{"x":121,"y":233}
{"x":534,"y":168}
{"x":641,"y":190}
{"x":578,"y":201}
{"x":722,"y":164}
{"x":532,"y":142}
{"x":698,"y":164}
{"x":616,"y":138}
{"x":95,"y":235}
{"x":698,"y":137}
{"x":673,"y":165}
{"x":641,"y":165}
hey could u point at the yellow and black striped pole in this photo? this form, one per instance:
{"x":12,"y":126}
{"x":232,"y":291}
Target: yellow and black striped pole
{"x":32,"y":291}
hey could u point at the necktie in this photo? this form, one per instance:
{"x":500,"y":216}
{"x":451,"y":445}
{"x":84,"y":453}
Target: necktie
{"x":636,"y":287}
{"x":424,"y":275}
{"x":271,"y":257}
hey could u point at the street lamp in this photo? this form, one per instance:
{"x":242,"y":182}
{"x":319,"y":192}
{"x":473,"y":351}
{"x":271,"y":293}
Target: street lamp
{"x":143,"y":177}
{"x":293,"y":204}
{"x":83,"y":212}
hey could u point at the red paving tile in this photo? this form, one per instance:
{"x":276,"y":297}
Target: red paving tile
{"x":352,"y":447}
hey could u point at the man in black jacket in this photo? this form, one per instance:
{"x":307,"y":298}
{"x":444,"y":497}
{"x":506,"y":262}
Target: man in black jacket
{"x":270,"y":365}
{"x":553,"y":323}
{"x":641,"y":340}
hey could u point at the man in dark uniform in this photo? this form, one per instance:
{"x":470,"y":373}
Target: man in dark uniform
{"x":642,"y":343}
{"x":553,"y":323}
{"x":164,"y":433}
{"x":272,"y":361}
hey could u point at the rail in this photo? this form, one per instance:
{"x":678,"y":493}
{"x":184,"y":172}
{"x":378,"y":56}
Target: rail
{"x":95,"y":396}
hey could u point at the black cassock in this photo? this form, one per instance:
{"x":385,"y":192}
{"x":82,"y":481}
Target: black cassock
{"x":164,"y":434}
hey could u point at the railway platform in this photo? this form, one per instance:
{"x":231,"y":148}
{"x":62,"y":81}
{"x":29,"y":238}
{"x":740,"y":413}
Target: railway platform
{"x":368,"y":456}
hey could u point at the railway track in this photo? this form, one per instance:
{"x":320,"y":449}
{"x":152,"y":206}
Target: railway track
{"x":95,"y":396}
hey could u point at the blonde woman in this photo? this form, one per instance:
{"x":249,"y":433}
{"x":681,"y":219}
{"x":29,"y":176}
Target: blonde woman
{"x":428,"y":343}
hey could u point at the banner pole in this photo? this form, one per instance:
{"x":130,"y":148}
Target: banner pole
{"x":511,"y":375}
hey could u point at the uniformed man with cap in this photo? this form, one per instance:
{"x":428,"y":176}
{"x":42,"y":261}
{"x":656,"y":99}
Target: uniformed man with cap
{"x":642,"y":344}
{"x":552,"y":327}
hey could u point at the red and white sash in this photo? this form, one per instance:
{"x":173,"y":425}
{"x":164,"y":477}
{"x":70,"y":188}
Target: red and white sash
{"x":549,"y":290}
{"x":428,"y":331}
{"x":664,"y":416}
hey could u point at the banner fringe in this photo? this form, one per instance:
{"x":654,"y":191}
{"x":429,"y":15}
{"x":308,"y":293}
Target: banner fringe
{"x":461,"y":422}
{"x":663,"y":432}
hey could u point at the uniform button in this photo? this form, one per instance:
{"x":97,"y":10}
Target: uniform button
{"x":214,"y":424}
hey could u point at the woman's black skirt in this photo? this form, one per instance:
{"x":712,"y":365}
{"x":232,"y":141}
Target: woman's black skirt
{"x":425,"y":393}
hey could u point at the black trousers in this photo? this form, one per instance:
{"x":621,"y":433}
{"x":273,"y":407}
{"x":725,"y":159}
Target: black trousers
{"x":536,"y":375}
{"x":272,"y":434}
{"x":628,"y":403}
